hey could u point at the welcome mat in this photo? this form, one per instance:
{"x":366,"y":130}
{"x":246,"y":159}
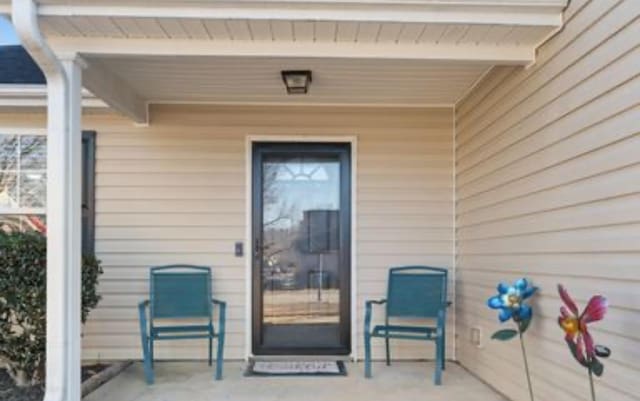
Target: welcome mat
{"x":296,"y":368}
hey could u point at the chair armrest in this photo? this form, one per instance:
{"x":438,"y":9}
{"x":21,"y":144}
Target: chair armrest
{"x":367,"y":314}
{"x":141,"y":309}
{"x":143,"y":305}
{"x":222,"y":317}
{"x":218,"y":302}
{"x":142,"y":316}
{"x":442,"y":317}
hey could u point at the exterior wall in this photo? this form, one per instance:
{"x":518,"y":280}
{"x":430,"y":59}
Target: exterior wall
{"x":547,"y":162}
{"x":175,"y":192}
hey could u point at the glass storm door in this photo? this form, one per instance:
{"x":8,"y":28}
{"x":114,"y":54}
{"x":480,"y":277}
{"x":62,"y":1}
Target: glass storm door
{"x":301,"y":250}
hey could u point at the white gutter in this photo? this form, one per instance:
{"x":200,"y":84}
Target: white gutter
{"x":30,"y":95}
{"x":63,"y":198}
{"x":457,"y":12}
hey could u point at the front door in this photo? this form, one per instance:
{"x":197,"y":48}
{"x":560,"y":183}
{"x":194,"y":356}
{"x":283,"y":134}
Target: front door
{"x":301,"y":248}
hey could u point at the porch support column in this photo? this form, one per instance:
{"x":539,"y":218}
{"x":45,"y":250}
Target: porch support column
{"x":64,"y":240}
{"x":63,"y":207}
{"x":64,"y":142}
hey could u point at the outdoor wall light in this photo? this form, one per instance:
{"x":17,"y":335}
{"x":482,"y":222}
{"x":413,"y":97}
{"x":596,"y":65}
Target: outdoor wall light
{"x":297,"y":82}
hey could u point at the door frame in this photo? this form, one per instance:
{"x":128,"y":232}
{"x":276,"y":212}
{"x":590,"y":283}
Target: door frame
{"x":249,"y":235}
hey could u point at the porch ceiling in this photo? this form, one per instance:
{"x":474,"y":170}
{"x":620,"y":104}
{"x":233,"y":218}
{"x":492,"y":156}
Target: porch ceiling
{"x":368,"y":52}
{"x":229,"y":80}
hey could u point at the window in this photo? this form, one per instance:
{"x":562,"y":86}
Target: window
{"x":23,"y":184}
{"x":23,"y":166}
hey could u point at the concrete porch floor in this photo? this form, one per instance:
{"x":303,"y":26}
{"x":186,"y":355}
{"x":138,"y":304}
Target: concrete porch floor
{"x":193,"y":381}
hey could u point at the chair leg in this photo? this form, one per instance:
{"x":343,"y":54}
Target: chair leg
{"x":386,"y":343}
{"x":210,"y":349}
{"x":444,"y":348}
{"x":437,"y":376}
{"x":146,"y":361}
{"x":367,"y":355}
{"x":220,"y":356}
{"x":145,"y":342}
{"x":151,"y":351}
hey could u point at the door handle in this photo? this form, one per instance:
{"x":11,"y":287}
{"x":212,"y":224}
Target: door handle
{"x":256,"y":251}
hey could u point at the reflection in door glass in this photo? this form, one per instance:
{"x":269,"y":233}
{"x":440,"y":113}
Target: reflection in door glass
{"x":300,"y":254}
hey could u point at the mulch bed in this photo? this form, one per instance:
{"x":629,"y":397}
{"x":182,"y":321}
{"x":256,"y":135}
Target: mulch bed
{"x":92,"y":370}
{"x":9,"y":392}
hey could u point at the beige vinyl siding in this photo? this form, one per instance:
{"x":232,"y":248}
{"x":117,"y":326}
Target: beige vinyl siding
{"x":548,"y":187}
{"x":174,"y":192}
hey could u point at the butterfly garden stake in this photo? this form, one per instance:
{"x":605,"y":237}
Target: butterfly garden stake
{"x":577,"y":336}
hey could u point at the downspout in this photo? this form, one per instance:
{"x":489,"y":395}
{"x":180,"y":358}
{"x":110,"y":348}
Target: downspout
{"x":59,"y":352}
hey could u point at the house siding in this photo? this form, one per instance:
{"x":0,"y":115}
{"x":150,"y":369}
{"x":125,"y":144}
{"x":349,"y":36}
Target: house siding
{"x":547,"y":177}
{"x":175,"y":192}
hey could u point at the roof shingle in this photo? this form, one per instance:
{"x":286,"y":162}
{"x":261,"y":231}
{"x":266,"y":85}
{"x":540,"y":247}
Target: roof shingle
{"x":17,"y":67}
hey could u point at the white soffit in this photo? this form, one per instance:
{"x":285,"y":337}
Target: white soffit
{"x":253,"y":80}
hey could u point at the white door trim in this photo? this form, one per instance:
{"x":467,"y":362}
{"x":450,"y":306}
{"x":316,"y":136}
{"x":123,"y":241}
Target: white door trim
{"x":250,"y":139}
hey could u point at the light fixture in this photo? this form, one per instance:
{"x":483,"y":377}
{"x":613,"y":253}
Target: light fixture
{"x":297,"y":82}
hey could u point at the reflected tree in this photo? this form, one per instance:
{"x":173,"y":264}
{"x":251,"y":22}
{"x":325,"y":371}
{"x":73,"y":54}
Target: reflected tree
{"x":278,"y":215}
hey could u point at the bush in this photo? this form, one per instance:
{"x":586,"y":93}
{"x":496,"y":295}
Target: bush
{"x":23,"y":303}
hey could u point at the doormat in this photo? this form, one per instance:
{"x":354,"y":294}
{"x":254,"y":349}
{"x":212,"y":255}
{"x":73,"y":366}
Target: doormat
{"x":296,"y":368}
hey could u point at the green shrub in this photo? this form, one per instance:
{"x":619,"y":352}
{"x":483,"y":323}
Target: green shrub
{"x":23,"y":302}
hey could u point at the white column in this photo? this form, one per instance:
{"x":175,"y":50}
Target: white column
{"x":73,"y":208}
{"x":64,"y":145}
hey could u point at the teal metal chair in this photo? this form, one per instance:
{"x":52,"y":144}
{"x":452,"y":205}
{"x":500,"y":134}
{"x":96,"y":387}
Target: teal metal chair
{"x":413,"y":292}
{"x":180,"y":292}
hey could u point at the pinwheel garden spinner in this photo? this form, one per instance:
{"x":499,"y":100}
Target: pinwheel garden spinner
{"x":580,"y":342}
{"x":511,"y":302}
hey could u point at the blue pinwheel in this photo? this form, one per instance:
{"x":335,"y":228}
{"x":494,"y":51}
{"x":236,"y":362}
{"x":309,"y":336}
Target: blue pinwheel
{"x":510,"y":301}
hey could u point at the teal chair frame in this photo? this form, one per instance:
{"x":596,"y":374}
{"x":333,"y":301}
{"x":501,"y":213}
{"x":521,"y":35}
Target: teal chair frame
{"x":180,"y":292}
{"x":412,"y":292}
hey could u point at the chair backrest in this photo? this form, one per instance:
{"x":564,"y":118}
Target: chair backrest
{"x":416,"y":291}
{"x":180,"y":291}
